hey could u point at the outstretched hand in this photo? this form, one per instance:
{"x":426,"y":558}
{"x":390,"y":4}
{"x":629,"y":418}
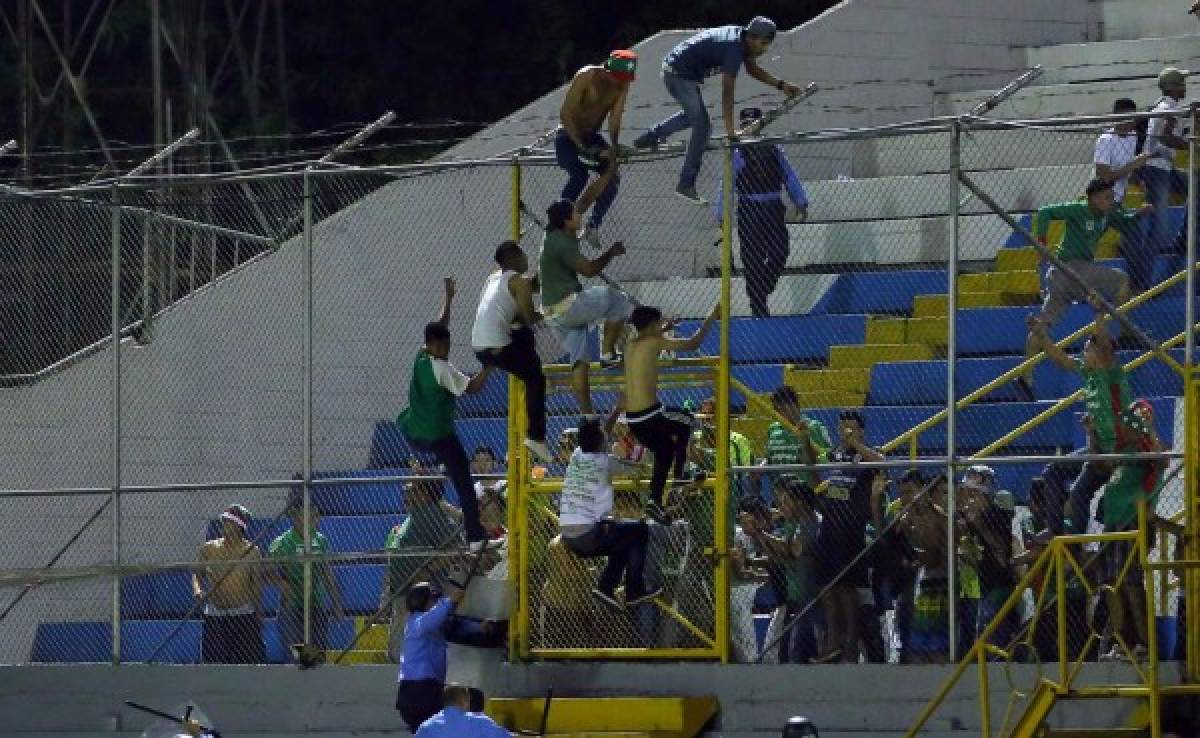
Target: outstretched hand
{"x":618,"y":248}
{"x":448,"y":284}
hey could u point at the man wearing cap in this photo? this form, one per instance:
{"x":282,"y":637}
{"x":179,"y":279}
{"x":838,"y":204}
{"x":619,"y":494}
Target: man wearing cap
{"x":1165,"y":136}
{"x":760,"y":172}
{"x":725,"y":49}
{"x":1116,"y":159}
{"x":597,"y":91}
{"x":230,"y":586}
{"x":1085,"y":223}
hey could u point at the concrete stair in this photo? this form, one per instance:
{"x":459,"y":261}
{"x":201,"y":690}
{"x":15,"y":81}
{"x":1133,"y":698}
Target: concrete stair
{"x":606,"y":717}
{"x":1123,"y":59}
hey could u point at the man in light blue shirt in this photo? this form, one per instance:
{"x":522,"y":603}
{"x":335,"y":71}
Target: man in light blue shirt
{"x":422,"y":673}
{"x":725,"y":50}
{"x":454,"y":721}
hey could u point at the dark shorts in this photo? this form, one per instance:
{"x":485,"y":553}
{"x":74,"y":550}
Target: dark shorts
{"x":930,"y":633}
{"x":837,"y":548}
{"x":418,"y":701}
{"x":232,"y":639}
{"x":1113,"y":556}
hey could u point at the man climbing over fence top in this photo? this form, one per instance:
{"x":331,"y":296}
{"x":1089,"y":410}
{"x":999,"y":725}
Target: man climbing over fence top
{"x":598,"y":91}
{"x":725,"y":50}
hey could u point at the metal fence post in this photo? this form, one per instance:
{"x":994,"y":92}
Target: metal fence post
{"x":951,"y":414}
{"x":307,"y":462}
{"x":721,"y":496}
{"x":1191,"y":495}
{"x":115,"y":347}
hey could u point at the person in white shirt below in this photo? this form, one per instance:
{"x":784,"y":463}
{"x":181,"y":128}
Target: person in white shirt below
{"x":585,"y":516}
{"x":503,"y":337}
{"x":1165,"y":136}
{"x":1116,"y":159}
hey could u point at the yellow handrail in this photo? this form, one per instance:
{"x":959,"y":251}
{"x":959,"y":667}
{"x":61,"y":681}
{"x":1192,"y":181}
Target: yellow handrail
{"x":1066,"y":402}
{"x":1029,"y":363}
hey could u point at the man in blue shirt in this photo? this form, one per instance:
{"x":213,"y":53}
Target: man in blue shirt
{"x":422,"y":673}
{"x":684,"y":69}
{"x":455,"y":720}
{"x":760,"y":172}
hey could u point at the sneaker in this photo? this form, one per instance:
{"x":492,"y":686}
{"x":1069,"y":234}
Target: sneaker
{"x":591,"y":236}
{"x":646,"y":597}
{"x":608,"y":599}
{"x":646,"y":141}
{"x":1024,"y":389}
{"x":688,"y":192}
{"x":608,"y":361}
{"x":540,"y":450}
{"x":655,"y":512}
{"x":829,"y":657}
{"x":485,"y":544}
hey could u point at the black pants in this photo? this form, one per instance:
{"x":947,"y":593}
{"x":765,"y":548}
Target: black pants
{"x":232,"y":639}
{"x":451,"y":454}
{"x":520,"y":359}
{"x":764,"y":240}
{"x":666,"y":433}
{"x":624,"y":543}
{"x":418,"y":701}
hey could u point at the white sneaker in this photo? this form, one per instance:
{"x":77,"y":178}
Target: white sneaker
{"x":540,"y":450}
{"x":486,"y":544}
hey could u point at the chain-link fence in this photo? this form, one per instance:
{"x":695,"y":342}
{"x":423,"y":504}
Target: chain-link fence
{"x":271,"y":326}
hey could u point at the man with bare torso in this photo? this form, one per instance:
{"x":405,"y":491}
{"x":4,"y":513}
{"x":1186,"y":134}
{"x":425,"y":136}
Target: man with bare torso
{"x":665,"y":432}
{"x":230,"y":585}
{"x":597,"y":92}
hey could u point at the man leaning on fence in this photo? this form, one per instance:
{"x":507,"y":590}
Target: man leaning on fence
{"x":286,"y":548}
{"x":233,"y":610}
{"x":1085,"y":223}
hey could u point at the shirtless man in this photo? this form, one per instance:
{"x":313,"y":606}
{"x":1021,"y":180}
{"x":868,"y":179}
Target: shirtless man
{"x":596,"y":92}
{"x":231,"y":589}
{"x":665,"y":432}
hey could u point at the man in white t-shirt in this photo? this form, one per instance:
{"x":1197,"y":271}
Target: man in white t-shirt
{"x":1116,"y":158}
{"x":585,"y":516}
{"x":1165,"y":136}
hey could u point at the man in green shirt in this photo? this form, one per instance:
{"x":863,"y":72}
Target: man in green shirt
{"x":1085,"y":222}
{"x":809,"y":446}
{"x":290,"y":575}
{"x":569,"y":308}
{"x":428,"y":421}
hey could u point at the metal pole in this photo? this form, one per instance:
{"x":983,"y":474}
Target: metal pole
{"x":1189,"y":341}
{"x":358,"y":138}
{"x":307,"y":463}
{"x":163,"y":153}
{"x":1007,"y":91}
{"x":951,"y":393}
{"x":721,"y":496}
{"x":115,"y":458}
{"x":1191,"y":475}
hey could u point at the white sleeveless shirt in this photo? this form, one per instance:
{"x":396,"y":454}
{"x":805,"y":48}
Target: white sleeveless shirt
{"x":496,"y":313}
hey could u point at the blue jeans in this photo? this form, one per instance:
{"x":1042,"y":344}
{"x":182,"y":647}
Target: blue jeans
{"x":1160,"y":184}
{"x":566,"y":153}
{"x":695,"y":116}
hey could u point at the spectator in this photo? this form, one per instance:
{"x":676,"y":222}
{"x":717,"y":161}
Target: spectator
{"x":746,"y":576}
{"x":1085,"y":223}
{"x":808,"y":445}
{"x":231,"y":589}
{"x":570,"y":309}
{"x":428,"y":422}
{"x":432,"y":523}
{"x":1071,"y":486}
{"x":896,"y":563}
{"x":794,"y":550}
{"x":703,"y":452}
{"x":845,"y":512}
{"x":286,"y":548}
{"x":503,"y":337}
{"x":725,"y":49}
{"x":924,"y":526}
{"x":760,"y":172}
{"x":422,"y":674}
{"x":990,"y":520}
{"x":585,"y":510}
{"x":1164,"y":136}
{"x":1116,"y":158}
{"x":490,"y":492}
{"x":456,"y":720}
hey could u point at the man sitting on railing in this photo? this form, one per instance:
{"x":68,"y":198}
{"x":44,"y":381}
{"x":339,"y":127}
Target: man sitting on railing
{"x":1085,"y":223}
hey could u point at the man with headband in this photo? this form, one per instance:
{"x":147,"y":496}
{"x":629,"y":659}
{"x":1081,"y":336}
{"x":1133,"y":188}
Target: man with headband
{"x":230,"y":586}
{"x":597,"y":92}
{"x":760,"y":172}
{"x":725,"y":50}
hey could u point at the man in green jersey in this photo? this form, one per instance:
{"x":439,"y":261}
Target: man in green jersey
{"x":291,"y":577}
{"x":1085,"y":222}
{"x":810,"y":445}
{"x":428,"y":421}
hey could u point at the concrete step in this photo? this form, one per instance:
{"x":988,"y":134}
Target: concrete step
{"x":986,"y":151}
{"x":1135,"y":19}
{"x":1101,"y":60}
{"x":1046,"y":101}
{"x":901,"y":241}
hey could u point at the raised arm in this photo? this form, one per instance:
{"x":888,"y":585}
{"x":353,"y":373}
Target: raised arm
{"x":615,"y":116}
{"x":693,"y":343}
{"x":728,"y":87}
{"x":448,"y":288}
{"x":1100,"y":328}
{"x":479,"y":380}
{"x":1047,"y":344}
{"x":795,"y":188}
{"x":593,"y":267}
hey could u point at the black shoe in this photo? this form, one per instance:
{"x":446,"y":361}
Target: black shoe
{"x":655,"y":512}
{"x":608,"y":599}
{"x":646,"y":141}
{"x":644,"y":597}
{"x":1024,"y":389}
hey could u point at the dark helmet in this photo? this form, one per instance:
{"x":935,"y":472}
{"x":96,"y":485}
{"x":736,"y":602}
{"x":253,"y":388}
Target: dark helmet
{"x":799,"y":727}
{"x":418,"y":596}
